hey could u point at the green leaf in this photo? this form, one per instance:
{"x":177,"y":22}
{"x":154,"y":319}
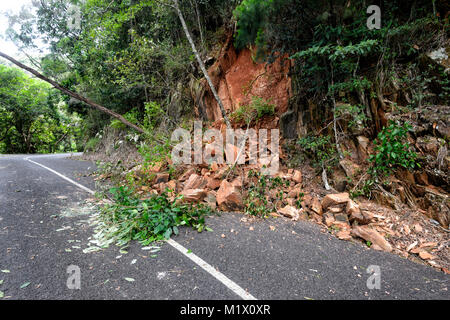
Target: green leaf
{"x":26,"y":284}
{"x":168,"y":233}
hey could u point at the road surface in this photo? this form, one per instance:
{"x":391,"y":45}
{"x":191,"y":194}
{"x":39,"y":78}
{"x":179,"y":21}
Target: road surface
{"x":44,"y":229}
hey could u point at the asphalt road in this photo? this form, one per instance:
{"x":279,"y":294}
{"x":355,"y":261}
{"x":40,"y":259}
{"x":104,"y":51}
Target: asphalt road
{"x":44,"y":229}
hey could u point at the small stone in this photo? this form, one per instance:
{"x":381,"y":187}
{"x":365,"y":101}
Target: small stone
{"x":295,"y":191}
{"x":211,"y":200}
{"x":213,"y":183}
{"x":355,"y":214}
{"x":335,"y":209}
{"x":418,"y":228}
{"x":214,"y":167}
{"x":344,"y":234}
{"x":328,"y":219}
{"x":340,"y":217}
{"x":186,"y":175}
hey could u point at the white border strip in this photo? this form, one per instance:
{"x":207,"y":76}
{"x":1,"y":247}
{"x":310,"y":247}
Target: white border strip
{"x":210,"y":269}
{"x":62,"y":176}
{"x":233,"y":286}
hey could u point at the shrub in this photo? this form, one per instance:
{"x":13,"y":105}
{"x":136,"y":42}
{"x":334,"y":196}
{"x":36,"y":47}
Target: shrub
{"x":257,"y":109}
{"x":130,"y":218}
{"x":256,"y":201}
{"x":91,"y":144}
{"x":320,"y":149}
{"x":392,"y":150}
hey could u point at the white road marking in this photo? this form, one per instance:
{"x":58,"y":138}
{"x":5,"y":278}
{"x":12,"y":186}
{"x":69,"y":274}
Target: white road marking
{"x":62,"y":176}
{"x":230,"y":284}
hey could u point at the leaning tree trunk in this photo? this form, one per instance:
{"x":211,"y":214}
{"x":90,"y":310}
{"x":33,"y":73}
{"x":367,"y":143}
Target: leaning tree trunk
{"x":200,"y":62}
{"x":73,"y":94}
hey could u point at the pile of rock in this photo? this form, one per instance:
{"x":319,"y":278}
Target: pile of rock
{"x":337,"y":211}
{"x":346,"y":219}
{"x":223,"y":190}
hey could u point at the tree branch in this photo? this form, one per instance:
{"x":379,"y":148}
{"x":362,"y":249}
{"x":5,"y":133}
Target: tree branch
{"x":73,"y":94}
{"x":200,"y":62}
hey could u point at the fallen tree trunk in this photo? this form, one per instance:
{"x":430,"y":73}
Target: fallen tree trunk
{"x":73,"y":94}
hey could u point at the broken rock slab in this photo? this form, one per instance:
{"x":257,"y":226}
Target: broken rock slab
{"x":373,"y":236}
{"x":316,"y":206}
{"x":355,"y":213}
{"x":229,"y":197}
{"x":195,"y":182}
{"x":335,"y":199}
{"x":193,"y":195}
{"x":290,"y":212}
{"x":297,"y":176}
{"x":211,"y":199}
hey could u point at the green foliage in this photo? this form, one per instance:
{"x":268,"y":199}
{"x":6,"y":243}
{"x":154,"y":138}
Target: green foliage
{"x":251,"y":16}
{"x":353,"y":113}
{"x":158,"y":218}
{"x":256,"y":200}
{"x":91,"y":144}
{"x":156,"y":149}
{"x":427,"y":84}
{"x":153,"y":114}
{"x":254,"y":111}
{"x":130,"y":116}
{"x":126,"y":55}
{"x":392,"y":150}
{"x":320,"y":149}
{"x":32,"y":117}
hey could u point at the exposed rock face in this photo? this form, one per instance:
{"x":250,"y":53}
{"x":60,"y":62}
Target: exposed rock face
{"x":428,"y":187}
{"x":288,"y":124}
{"x":238,"y":78}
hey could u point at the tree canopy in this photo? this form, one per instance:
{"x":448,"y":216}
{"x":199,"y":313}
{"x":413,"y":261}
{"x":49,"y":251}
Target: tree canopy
{"x":33,"y":119}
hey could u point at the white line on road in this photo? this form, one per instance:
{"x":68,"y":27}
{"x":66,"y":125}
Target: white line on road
{"x":210,"y":269}
{"x":62,"y":176}
{"x":230,"y":284}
